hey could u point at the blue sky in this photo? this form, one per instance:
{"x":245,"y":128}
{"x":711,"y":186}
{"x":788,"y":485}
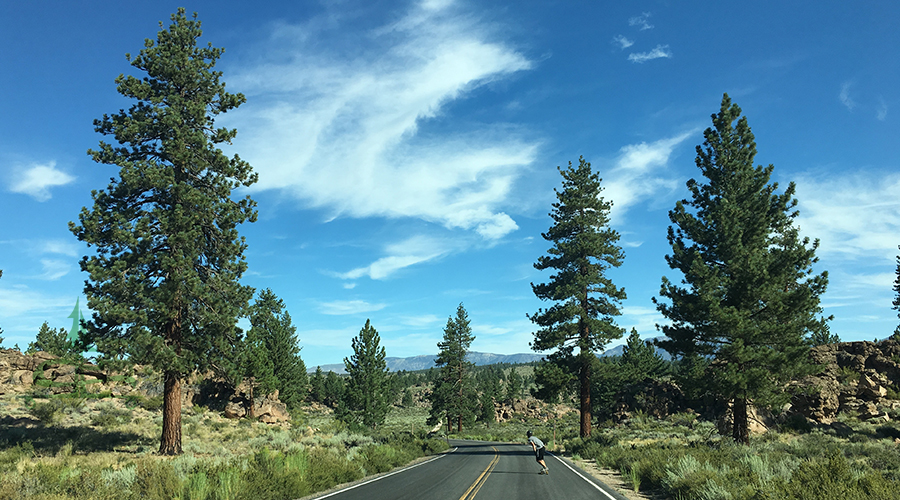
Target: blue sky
{"x":407,"y":151}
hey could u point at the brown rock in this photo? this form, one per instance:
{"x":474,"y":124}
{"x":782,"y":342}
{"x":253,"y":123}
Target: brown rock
{"x":817,"y":398}
{"x":234,"y":410}
{"x":870,"y":390}
{"x":760,"y":420}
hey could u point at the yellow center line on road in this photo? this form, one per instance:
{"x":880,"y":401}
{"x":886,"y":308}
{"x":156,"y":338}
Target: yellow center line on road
{"x":482,"y":478}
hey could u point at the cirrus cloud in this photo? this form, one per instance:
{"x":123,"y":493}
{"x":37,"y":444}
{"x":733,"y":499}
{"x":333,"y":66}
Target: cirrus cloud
{"x":340,"y":131}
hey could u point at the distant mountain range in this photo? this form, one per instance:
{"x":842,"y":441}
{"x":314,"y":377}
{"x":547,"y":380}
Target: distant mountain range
{"x":426,"y":361}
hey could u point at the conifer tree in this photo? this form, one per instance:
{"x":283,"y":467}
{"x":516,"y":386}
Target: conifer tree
{"x":552,"y":380}
{"x":584,"y":248}
{"x":52,"y":340}
{"x":454,"y":394}
{"x":334,"y":389}
{"x":367,"y":395}
{"x":317,"y":386}
{"x":514,"y":385}
{"x":897,"y":298}
{"x":640,"y":360}
{"x":272,"y":324}
{"x":256,"y":366}
{"x":748,"y":297}
{"x":1,"y":329}
{"x":165,"y":275}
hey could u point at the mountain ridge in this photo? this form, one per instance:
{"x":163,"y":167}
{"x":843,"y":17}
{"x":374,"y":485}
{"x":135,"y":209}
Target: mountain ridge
{"x":426,"y":361}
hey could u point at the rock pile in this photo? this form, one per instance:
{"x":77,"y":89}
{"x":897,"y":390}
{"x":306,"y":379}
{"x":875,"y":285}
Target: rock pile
{"x":24,"y":373}
{"x":522,"y":409}
{"x":858,"y":377}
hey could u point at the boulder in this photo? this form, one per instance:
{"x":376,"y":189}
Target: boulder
{"x":760,"y":420}
{"x":270,"y":410}
{"x":869,"y":389}
{"x":817,"y":398}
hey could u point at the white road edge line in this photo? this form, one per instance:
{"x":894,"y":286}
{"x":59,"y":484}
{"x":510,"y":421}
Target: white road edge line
{"x":386,"y":475}
{"x":601,"y":490}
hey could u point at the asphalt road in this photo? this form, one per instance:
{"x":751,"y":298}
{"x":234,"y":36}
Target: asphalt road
{"x":474,"y":469}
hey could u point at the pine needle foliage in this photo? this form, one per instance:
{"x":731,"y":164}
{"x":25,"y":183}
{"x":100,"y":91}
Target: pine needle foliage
{"x":749,"y":297}
{"x":586,"y":300}
{"x":897,"y":298}
{"x":52,"y":340}
{"x":272,"y":324}
{"x":454,"y":394}
{"x":164,"y":279}
{"x":367,"y":396}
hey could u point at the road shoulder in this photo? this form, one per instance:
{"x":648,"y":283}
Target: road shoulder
{"x":614,"y":480}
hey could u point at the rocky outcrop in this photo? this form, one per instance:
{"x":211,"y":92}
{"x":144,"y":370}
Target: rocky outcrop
{"x":525,"y":409}
{"x":268,"y":409}
{"x":855,"y":377}
{"x":27,"y":373}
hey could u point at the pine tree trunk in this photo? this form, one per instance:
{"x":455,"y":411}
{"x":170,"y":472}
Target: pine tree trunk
{"x":585,"y":378}
{"x":170,"y":442}
{"x":459,"y":423}
{"x":740,"y":428}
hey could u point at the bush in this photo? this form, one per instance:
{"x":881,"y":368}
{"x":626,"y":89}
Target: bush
{"x":328,"y":469}
{"x":110,"y":416}
{"x":275,"y":476}
{"x":47,"y":412}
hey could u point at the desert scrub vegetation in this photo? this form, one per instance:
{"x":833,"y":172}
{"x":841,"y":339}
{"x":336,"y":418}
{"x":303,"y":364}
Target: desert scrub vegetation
{"x":848,"y":460}
{"x":106,"y":449}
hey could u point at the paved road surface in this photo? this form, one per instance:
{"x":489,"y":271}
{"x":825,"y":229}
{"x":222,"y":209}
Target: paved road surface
{"x":484,"y":471}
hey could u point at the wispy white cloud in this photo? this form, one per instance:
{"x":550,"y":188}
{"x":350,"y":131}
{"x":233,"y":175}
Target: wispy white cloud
{"x":400,"y":255}
{"x":36,"y":180}
{"x":420,"y":320}
{"x":349,"y":307}
{"x":60,"y":247}
{"x":640,"y":173}
{"x":882,"y":110}
{"x":641,"y":21}
{"x":854,"y":216}
{"x":844,"y":96}
{"x":340,"y":130}
{"x":622,"y":42}
{"x":660,"y":52}
{"x":54,"y":269}
{"x":510,"y":337}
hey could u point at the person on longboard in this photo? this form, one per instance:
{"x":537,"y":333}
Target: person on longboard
{"x":538,"y":446}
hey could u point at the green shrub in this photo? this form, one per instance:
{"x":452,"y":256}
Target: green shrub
{"x":157,"y":480}
{"x":832,"y":477}
{"x":434,"y":445}
{"x":154,"y":403}
{"x":275,"y":476}
{"x":327,"y":469}
{"x":110,"y":416}
{"x":47,"y":412}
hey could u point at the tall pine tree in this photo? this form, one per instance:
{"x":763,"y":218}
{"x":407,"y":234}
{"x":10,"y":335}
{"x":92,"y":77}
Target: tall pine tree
{"x":640,"y":360}
{"x":584,"y":248}
{"x":165,"y":275}
{"x":749,"y":297}
{"x":367,"y":392}
{"x":52,"y":340}
{"x":897,"y":298}
{"x":454,"y":394}
{"x":272,"y":323}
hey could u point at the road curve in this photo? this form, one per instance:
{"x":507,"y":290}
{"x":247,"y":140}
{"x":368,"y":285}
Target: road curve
{"x":481,"y":470}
